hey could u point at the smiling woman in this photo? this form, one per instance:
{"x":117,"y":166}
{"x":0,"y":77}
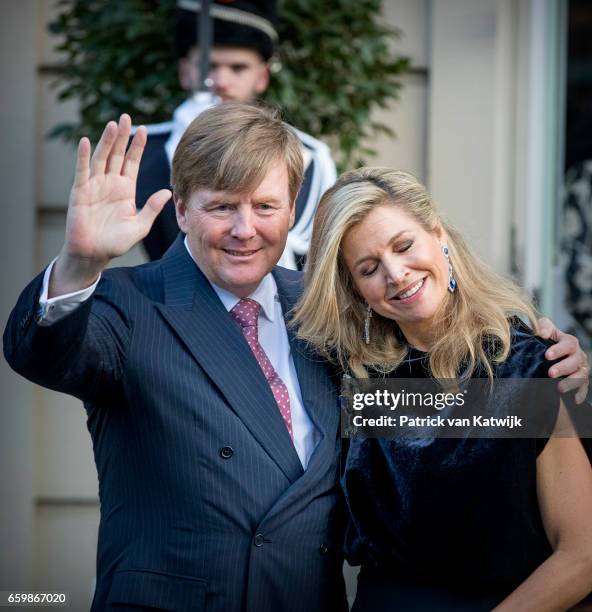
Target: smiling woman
{"x":402,"y":277}
{"x":428,"y":518}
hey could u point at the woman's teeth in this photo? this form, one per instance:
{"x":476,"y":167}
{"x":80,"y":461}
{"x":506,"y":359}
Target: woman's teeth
{"x":411,"y":291}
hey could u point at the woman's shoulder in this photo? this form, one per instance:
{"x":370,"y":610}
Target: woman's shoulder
{"x":522,"y":335}
{"x":527,"y":352}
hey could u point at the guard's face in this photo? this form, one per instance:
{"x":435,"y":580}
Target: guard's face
{"x":237,"y":238}
{"x":236,"y":74}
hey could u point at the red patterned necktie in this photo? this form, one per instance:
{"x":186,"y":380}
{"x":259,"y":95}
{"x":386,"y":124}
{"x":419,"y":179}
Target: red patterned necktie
{"x":246,"y":314}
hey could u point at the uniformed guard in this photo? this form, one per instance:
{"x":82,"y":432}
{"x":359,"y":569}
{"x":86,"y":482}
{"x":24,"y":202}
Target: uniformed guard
{"x":244,"y":39}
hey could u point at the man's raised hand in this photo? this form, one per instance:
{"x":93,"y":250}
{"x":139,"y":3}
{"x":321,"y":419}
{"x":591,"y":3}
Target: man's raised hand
{"x":102,"y":221}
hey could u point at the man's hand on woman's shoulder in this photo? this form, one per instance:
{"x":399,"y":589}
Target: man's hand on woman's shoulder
{"x":574,"y":361}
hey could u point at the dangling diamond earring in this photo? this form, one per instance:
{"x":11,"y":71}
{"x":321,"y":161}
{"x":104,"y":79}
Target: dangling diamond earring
{"x":367,"y":324}
{"x":451,"y":279}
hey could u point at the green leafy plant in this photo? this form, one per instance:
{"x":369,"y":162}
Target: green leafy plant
{"x":335,"y":57}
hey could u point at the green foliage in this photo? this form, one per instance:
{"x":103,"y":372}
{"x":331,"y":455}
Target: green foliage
{"x":119,"y":56}
{"x":336,"y":67}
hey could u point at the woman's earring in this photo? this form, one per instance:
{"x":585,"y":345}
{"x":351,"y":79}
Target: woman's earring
{"x":367,"y":324}
{"x":451,"y":279}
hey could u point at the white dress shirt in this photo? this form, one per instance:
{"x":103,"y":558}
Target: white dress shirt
{"x":273,"y":338}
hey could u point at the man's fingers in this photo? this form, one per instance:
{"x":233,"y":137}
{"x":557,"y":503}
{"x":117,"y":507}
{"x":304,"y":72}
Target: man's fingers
{"x":574,"y":381}
{"x":98,"y":161}
{"x":131,"y":165}
{"x":579,"y":382}
{"x":152,"y":208}
{"x":116,"y":157}
{"x":570,"y":365}
{"x":82,"y":173}
{"x":582,"y":394}
{"x":546,"y":329}
{"x":566,"y":345}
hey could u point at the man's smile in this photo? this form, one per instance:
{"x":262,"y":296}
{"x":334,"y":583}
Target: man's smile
{"x":241,"y":252}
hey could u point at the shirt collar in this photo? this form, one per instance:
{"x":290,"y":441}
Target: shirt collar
{"x":265,"y":294}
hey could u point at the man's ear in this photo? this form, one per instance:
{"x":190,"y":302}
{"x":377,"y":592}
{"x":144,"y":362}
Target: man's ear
{"x":292,"y":214}
{"x":262,"y":82}
{"x":180,"y":212}
{"x":187,"y":70}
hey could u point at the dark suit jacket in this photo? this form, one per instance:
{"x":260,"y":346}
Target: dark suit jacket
{"x":204,"y":502}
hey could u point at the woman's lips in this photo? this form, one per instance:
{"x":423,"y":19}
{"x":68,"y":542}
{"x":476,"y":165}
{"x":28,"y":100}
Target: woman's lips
{"x":411,"y":292}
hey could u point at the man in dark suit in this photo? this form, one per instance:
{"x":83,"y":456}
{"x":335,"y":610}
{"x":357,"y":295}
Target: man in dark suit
{"x":215,"y":436}
{"x":215,"y":431}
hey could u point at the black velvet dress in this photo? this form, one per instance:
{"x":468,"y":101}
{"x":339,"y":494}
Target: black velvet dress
{"x":446,"y":524}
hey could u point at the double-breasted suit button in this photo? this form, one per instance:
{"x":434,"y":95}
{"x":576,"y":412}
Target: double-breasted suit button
{"x":226,"y":452}
{"x":258,"y":540}
{"x":323,"y":549}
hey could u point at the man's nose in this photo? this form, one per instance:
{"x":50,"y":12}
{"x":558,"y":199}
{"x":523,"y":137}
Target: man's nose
{"x":243,"y":227}
{"x":220,"y":79}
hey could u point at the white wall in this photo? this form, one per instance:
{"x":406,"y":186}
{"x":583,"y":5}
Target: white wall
{"x":471,"y":120}
{"x":18,"y":43}
{"x":408,"y":116}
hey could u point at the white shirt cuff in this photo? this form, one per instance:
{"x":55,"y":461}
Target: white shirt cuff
{"x":51,"y":310}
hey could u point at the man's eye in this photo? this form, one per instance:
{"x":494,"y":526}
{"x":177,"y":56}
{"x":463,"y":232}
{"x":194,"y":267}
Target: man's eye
{"x":221,"y":207}
{"x":264,"y":206}
{"x":238,"y":68}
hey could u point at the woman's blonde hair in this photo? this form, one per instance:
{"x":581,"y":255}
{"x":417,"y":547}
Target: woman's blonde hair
{"x":330,"y":314}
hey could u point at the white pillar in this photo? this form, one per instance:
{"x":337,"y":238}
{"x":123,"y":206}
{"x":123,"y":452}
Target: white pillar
{"x":539,"y":142}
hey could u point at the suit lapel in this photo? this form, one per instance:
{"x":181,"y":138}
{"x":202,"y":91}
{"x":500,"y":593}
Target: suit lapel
{"x":317,"y":389}
{"x":202,"y":323}
{"x":318,"y":395}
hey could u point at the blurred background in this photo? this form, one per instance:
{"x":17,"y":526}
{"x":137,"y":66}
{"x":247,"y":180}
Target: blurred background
{"x":492,"y":110}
